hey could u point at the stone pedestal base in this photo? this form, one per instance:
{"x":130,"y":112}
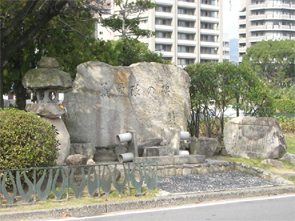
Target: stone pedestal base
{"x":63,"y":137}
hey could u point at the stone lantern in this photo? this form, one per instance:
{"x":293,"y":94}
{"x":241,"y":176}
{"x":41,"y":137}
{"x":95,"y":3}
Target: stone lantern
{"x":48,"y":80}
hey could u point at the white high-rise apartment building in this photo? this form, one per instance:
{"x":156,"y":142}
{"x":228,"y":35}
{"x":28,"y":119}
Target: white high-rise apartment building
{"x":265,"y":20}
{"x":186,"y":31}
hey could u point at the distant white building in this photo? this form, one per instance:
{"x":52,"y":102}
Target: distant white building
{"x":186,"y":31}
{"x":265,"y":20}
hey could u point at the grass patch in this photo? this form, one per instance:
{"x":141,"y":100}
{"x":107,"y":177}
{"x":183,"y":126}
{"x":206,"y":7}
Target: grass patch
{"x":290,"y":140}
{"x":50,"y":203}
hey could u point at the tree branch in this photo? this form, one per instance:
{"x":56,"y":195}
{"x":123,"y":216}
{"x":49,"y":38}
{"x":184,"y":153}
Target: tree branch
{"x":19,"y":18}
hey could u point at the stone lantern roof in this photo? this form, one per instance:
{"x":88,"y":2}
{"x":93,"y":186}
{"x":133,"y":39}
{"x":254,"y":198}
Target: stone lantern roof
{"x":47,"y":76}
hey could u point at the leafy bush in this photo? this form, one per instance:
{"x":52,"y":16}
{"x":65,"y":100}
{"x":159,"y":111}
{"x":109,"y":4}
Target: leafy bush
{"x":285,"y":105}
{"x":26,"y":140}
{"x":287,"y":125}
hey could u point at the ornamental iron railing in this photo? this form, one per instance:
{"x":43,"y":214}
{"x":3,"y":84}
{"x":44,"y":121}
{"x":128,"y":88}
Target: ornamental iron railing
{"x":17,"y":188}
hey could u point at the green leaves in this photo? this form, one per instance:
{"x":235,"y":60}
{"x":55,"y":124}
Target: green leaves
{"x":273,"y":61}
{"x":215,"y":86}
{"x":127,"y":20}
{"x":26,"y":140}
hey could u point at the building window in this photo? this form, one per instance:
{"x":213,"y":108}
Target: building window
{"x":208,"y":26}
{"x":163,"y":34}
{"x":186,"y":11}
{"x":186,"y":24}
{"x":183,"y":36}
{"x":163,"y":9}
{"x":209,"y":38}
{"x":163,"y":22}
{"x":209,"y":14}
{"x":208,"y":50}
{"x":185,"y":61}
{"x":163,"y":47}
{"x":185,"y":49}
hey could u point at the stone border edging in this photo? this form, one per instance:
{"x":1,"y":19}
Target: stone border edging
{"x":158,"y":202}
{"x":219,"y":167}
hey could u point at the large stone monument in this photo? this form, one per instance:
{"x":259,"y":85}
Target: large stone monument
{"x":150,"y":98}
{"x":47,"y":80}
{"x":252,"y":137}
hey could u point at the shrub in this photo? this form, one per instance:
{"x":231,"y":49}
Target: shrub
{"x":285,"y":105}
{"x":26,"y":140}
{"x":287,"y":125}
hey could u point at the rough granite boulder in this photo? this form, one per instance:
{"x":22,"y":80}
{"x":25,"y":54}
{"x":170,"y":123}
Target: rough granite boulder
{"x":149,"y":98}
{"x":273,"y":163}
{"x":76,"y":159}
{"x":203,"y":146}
{"x":289,"y":157}
{"x":252,"y":137}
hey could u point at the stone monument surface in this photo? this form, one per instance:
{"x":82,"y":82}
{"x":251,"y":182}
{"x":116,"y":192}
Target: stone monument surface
{"x":254,"y":137}
{"x":149,"y":98}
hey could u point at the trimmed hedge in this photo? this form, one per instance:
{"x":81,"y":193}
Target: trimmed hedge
{"x":26,"y":140}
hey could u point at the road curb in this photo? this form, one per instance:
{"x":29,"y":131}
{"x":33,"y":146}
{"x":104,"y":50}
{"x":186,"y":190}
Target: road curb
{"x":158,"y":202}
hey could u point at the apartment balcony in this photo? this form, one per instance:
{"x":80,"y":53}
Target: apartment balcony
{"x":214,"y":8}
{"x":257,"y":28}
{"x":165,"y":15}
{"x":256,"y":38}
{"x":226,"y":57}
{"x":279,"y":6}
{"x":167,"y":28}
{"x":242,"y":40}
{"x":209,"y":44}
{"x":164,"y":41}
{"x":186,"y":55}
{"x":190,"y":5}
{"x":186,"y":30}
{"x":209,"y":19}
{"x":186,"y":17}
{"x":272,"y":28}
{"x":243,"y":49}
{"x":209,"y":56}
{"x":242,"y":21}
{"x":268,"y":6}
{"x":271,"y":17}
{"x":165,"y":54}
{"x":164,"y":2}
{"x":209,"y":32}
{"x":272,"y":37}
{"x":186,"y":42}
{"x":242,"y":31}
{"x":226,"y":48}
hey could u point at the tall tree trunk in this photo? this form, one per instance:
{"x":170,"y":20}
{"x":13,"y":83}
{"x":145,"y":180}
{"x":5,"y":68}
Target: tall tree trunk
{"x":1,"y":90}
{"x":20,"y":93}
{"x":238,"y":109}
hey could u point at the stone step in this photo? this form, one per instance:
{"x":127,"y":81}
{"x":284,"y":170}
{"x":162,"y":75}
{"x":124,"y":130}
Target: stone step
{"x":158,"y":151}
{"x":173,"y":160}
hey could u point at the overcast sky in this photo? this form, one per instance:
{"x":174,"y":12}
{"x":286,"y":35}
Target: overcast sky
{"x":231,"y":18}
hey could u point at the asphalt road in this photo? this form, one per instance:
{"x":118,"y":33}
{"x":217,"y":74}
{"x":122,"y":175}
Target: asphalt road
{"x":279,"y":208}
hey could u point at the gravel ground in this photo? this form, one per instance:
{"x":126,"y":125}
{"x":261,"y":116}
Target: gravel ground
{"x":212,"y":182}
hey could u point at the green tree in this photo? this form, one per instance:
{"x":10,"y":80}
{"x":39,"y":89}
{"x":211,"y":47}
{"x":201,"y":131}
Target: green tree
{"x":215,"y":86}
{"x":273,"y":61}
{"x":63,"y":38}
{"x":204,"y":84}
{"x":127,"y":20}
{"x":20,"y":23}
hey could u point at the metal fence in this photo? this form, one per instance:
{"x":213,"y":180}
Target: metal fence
{"x":17,"y":188}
